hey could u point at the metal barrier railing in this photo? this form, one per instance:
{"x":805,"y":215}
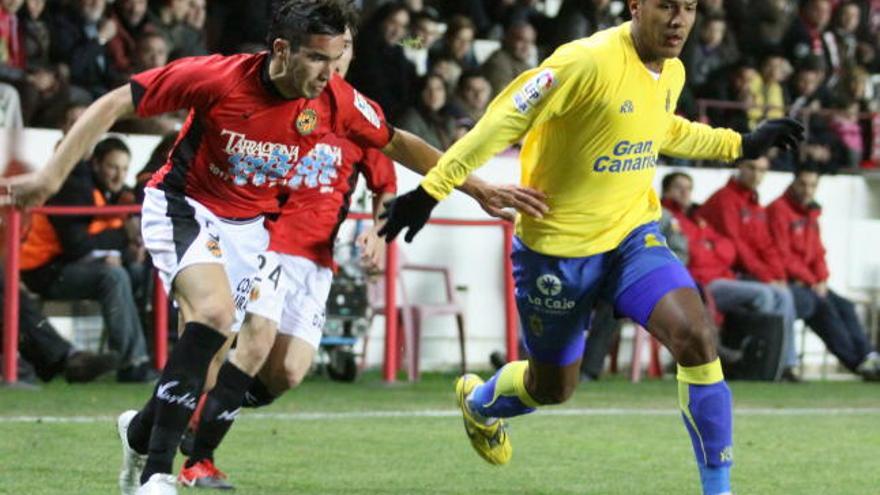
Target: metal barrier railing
{"x":160,"y":301}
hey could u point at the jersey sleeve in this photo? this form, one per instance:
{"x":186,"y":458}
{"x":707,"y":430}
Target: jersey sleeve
{"x":379,"y":172}
{"x":359,"y":118}
{"x":194,"y":82}
{"x":694,"y":140}
{"x":534,"y":97}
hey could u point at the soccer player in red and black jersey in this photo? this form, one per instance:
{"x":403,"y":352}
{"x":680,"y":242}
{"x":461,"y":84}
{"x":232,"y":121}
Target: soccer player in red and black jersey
{"x":253,"y":119}
{"x":290,"y":292}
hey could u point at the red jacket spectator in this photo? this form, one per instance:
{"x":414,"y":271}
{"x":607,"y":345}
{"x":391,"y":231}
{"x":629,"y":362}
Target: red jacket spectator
{"x":734,"y":212}
{"x":11,"y":52}
{"x":795,"y":229}
{"x":711,"y":254}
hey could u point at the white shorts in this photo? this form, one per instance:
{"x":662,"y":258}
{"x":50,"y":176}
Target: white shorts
{"x":292,"y":291}
{"x":179,"y":231}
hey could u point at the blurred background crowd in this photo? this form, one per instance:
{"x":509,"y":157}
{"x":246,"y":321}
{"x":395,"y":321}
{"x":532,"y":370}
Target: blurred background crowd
{"x":435,"y":65}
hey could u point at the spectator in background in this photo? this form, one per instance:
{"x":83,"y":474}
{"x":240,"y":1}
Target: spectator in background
{"x":472,"y":96}
{"x":844,"y":124}
{"x":231,"y":24}
{"x":768,"y":93}
{"x":425,"y":28}
{"x":768,"y":24}
{"x":50,"y":354}
{"x":580,"y":18}
{"x":11,"y":51}
{"x":449,"y":70}
{"x":807,"y":87}
{"x":81,"y":257}
{"x":513,"y":58}
{"x":427,"y":119}
{"x":45,"y":91}
{"x":708,"y":53}
{"x":10,"y":108}
{"x":794,"y":221}
{"x":711,"y":259}
{"x":845,"y":28}
{"x":151,"y":52}
{"x":734,"y":211}
{"x":72,"y":112}
{"x":806,"y":37}
{"x":380,"y":68}
{"x":132,"y":23}
{"x":735,"y":86}
{"x":80,"y":37}
{"x":182,"y":29}
{"x":457,"y":43}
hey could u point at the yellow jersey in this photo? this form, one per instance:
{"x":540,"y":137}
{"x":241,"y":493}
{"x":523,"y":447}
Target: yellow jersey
{"x":594,"y":119}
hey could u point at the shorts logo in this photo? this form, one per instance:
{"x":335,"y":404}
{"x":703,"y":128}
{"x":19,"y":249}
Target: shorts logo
{"x":366,"y":110}
{"x":549,"y":285}
{"x":306,"y":122}
{"x":213,"y":246}
{"x":627,"y":107}
{"x":533,"y":91}
{"x":255,"y":292}
{"x":652,"y":241}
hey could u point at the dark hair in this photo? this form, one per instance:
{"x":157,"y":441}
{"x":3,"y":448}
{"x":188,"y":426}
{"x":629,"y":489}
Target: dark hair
{"x":293,"y":20}
{"x":669,"y":178}
{"x":107,"y":145}
{"x":808,"y":166}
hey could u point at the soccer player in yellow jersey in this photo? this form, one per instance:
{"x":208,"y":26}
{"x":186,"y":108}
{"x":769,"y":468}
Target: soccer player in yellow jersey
{"x":594,"y":117}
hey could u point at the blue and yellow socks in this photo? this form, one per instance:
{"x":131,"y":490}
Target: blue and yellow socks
{"x":706,"y":407}
{"x":504,"y":395}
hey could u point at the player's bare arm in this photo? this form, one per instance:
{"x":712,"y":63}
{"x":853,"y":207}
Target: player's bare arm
{"x":35,"y":188}
{"x":420,"y":157}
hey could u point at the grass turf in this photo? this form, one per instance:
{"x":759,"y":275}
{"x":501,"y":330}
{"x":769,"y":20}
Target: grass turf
{"x":800,"y":449}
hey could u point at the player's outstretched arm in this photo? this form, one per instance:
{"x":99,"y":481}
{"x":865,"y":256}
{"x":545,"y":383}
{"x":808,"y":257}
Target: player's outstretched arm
{"x":413,"y":209}
{"x":694,"y":140}
{"x":35,"y":188}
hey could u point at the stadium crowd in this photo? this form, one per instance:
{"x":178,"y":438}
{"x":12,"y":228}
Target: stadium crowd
{"x":426,"y":63}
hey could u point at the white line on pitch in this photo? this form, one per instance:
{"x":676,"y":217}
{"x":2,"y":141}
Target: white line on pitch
{"x":449,"y":413}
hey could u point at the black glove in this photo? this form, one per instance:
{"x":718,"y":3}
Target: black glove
{"x":412,"y":210}
{"x":782,"y":133}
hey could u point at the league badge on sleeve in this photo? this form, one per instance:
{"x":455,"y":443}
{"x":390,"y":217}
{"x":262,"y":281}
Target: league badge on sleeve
{"x":366,"y":110}
{"x":533,"y":91}
{"x":306,"y":122}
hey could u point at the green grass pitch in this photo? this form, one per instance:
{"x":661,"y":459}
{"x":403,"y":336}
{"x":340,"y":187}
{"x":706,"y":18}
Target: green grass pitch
{"x":613,"y":437}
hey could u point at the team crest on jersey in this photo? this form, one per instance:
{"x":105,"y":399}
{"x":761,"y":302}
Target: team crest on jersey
{"x":306,"y":122}
{"x":533,"y":91}
{"x":366,"y":110}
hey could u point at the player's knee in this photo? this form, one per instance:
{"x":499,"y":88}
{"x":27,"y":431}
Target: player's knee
{"x":694,"y":343}
{"x":255,"y":341}
{"x":216,"y":315}
{"x":554,"y":394}
{"x":294,"y":375}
